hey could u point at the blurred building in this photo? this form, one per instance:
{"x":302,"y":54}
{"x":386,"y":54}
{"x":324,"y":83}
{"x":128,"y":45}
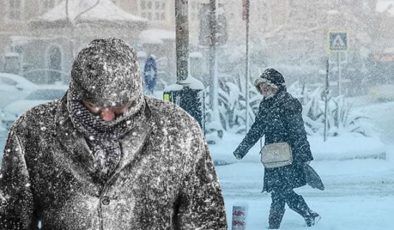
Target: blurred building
{"x":291,"y":34}
{"x":15,"y":30}
{"x":46,"y":35}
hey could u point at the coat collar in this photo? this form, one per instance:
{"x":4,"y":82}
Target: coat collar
{"x":277,"y":99}
{"x":77,"y":149}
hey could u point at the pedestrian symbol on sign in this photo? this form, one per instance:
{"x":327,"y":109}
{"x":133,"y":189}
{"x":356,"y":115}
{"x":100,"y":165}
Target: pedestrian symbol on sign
{"x":338,"y":41}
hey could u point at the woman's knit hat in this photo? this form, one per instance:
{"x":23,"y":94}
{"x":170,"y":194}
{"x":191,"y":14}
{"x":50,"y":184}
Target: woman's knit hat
{"x":272,"y":77}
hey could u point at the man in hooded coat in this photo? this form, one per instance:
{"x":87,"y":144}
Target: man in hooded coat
{"x":279,"y":119}
{"x":106,"y":157}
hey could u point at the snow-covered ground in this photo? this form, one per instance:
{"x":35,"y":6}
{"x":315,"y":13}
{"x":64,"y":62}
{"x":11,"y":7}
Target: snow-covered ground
{"x":359,"y":193}
{"x":359,"y":190}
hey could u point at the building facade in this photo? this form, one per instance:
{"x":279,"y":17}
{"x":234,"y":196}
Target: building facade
{"x":40,"y":39}
{"x":291,"y":33}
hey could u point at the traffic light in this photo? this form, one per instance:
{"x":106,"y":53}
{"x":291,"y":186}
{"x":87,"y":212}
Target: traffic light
{"x":221,"y":29}
{"x":188,"y":97}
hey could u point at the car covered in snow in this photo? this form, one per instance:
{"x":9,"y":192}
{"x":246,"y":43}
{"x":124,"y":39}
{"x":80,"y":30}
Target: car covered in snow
{"x":14,"y":87}
{"x":43,"y":94}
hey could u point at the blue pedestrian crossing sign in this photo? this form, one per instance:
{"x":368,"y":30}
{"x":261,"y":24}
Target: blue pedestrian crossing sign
{"x":338,"y":41}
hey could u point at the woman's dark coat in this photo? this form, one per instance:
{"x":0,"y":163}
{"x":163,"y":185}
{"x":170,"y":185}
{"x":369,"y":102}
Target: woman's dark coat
{"x":279,"y":119}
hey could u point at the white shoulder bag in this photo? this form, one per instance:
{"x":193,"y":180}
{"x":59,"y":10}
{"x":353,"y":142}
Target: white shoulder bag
{"x":276,"y":155}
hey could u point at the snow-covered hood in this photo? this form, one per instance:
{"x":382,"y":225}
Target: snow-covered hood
{"x":107,"y":74}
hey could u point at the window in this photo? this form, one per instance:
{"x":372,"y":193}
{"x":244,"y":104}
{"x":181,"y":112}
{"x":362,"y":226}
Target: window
{"x":47,"y":5}
{"x":153,"y":9}
{"x":15,"y":10}
{"x":194,"y":9}
{"x":197,"y":6}
{"x":278,"y":13}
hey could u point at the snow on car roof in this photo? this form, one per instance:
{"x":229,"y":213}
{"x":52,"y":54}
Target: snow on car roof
{"x":89,"y":10}
{"x":19,"y":79}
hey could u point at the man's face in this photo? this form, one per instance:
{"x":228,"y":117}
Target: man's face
{"x":267,"y":89}
{"x":106,"y":113}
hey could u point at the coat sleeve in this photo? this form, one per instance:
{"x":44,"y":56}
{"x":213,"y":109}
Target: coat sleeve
{"x":296,"y":132}
{"x":200,"y":204}
{"x":16,"y":199}
{"x":253,"y":135}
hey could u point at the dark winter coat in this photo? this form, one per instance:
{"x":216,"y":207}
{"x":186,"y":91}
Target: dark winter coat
{"x":149,"y":168}
{"x":165,"y":180}
{"x":279,"y":119}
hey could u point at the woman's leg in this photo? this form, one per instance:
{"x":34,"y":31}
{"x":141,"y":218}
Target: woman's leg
{"x":297,"y":203}
{"x":277,"y":210}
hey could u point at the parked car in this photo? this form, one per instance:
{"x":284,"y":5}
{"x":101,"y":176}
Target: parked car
{"x":43,"y":94}
{"x":14,"y":87}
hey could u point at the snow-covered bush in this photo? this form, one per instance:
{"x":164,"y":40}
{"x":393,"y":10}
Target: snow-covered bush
{"x":340,"y":116}
{"x":232,"y":105}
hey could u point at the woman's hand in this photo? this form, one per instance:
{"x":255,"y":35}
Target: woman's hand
{"x":238,"y":155}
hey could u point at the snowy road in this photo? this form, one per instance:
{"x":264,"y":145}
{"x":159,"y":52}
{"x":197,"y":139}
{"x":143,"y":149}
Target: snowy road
{"x":367,"y":177}
{"x":359,"y":194}
{"x":338,"y":213}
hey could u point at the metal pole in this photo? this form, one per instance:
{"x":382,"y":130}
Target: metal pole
{"x":182,"y":40}
{"x":326,"y":101}
{"x":247,"y":65}
{"x":213,"y":57}
{"x":339,"y":73}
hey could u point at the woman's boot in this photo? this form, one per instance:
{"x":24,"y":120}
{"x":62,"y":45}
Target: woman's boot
{"x":298,"y":204}
{"x":312,"y":218}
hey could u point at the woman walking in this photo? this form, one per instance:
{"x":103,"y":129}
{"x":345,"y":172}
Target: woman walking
{"x":279,"y":119}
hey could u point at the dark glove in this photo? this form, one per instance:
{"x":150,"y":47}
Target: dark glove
{"x":238,"y":154}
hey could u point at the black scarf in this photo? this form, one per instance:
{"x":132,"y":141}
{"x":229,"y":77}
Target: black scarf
{"x":102,"y":138}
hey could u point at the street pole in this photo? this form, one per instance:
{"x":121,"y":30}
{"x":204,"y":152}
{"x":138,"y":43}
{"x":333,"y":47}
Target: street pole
{"x":326,"y":101}
{"x":339,"y":73}
{"x":246,"y":16}
{"x":213,"y":68}
{"x":188,"y":93}
{"x":182,"y":40}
